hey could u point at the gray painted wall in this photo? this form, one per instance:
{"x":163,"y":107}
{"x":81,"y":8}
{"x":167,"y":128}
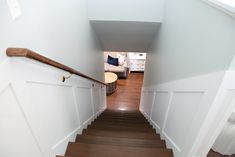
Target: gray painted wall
{"x":194,"y":39}
{"x":126,"y":10}
{"x":57,"y":29}
{"x":125,"y":36}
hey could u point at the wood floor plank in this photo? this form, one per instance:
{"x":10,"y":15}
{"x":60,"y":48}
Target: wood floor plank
{"x":121,"y":134}
{"x":128,"y":128}
{"x":121,"y":141}
{"x":127,"y":95}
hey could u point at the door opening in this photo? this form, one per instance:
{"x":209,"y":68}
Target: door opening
{"x":124,"y":73}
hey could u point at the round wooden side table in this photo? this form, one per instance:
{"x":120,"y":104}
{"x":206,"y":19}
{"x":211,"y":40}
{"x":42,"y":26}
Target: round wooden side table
{"x":111,"y":82}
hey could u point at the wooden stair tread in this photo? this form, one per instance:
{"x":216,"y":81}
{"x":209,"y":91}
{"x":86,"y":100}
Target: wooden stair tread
{"x":94,"y":150}
{"x":128,"y":134}
{"x":122,"y":121}
{"x":127,"y":128}
{"x":118,"y":134}
{"x":122,"y":115}
{"x":123,"y":118}
{"x":122,"y":125}
{"x":121,"y":141}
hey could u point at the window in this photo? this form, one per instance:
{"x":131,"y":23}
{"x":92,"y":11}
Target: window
{"x":228,"y":6}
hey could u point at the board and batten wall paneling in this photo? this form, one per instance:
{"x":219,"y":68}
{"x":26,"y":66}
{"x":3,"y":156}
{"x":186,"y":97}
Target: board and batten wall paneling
{"x":53,"y":105}
{"x":147,"y":98}
{"x":179,"y":109}
{"x":15,"y":131}
{"x":101,"y":98}
{"x":39,"y":113}
{"x":182,"y":110}
{"x":85,"y":108}
{"x":96,"y":99}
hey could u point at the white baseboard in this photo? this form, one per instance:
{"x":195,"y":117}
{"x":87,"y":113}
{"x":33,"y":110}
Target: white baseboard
{"x":155,"y":126}
{"x":62,"y":144}
{"x":91,"y":119}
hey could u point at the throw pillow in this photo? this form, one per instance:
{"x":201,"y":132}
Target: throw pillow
{"x":121,"y":59}
{"x":113,"y":61}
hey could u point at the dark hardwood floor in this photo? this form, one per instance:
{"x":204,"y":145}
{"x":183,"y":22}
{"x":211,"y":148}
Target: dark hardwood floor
{"x":127,"y":95}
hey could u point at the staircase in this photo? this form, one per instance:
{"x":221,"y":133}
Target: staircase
{"x":118,"y":134}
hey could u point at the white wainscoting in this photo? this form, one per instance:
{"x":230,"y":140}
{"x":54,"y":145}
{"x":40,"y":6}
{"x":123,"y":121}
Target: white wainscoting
{"x":14,"y":129}
{"x":159,"y":108}
{"x":39,"y":114}
{"x":180,"y":110}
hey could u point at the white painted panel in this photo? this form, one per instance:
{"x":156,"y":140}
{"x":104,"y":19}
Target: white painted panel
{"x":53,"y":114}
{"x":225,"y":139}
{"x":232,"y":147}
{"x":232,"y":150}
{"x":96,"y":99}
{"x":103,"y":98}
{"x":146,"y":102}
{"x":150,"y":99}
{"x":181,"y":113}
{"x":15,"y":135}
{"x":83,"y":97}
{"x":160,"y":108}
{"x":142,"y":100}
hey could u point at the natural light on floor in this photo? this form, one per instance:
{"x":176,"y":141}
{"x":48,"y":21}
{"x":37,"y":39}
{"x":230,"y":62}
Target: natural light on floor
{"x":122,"y":108}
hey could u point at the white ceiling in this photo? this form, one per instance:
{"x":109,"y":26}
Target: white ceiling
{"x":125,"y":36}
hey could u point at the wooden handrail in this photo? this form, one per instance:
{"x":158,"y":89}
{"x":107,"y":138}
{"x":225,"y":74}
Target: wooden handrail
{"x":23,"y":52}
